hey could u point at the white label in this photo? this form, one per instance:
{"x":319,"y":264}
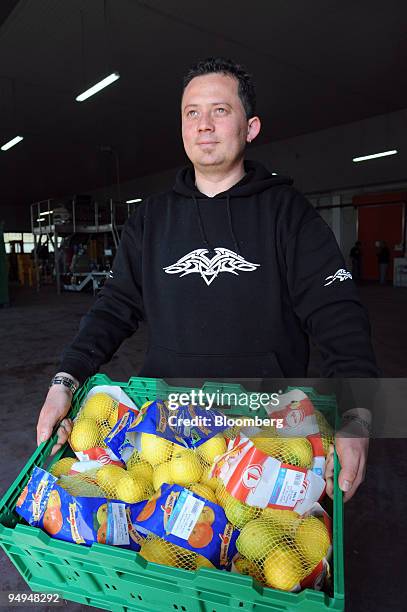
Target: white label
{"x":287,"y":488}
{"x":188,"y":515}
{"x":118,"y":527}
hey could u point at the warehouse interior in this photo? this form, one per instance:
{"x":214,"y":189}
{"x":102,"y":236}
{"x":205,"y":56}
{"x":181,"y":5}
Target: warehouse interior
{"x":330,"y":90}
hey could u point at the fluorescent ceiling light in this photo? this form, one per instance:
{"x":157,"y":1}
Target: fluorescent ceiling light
{"x":95,"y":88}
{"x":133,"y":201}
{"x":48,"y":212}
{"x":374,"y":155}
{"x":274,"y":173}
{"x":11,"y":143}
{"x":39,"y":219}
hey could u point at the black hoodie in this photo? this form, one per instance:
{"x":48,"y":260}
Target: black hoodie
{"x":230,"y":287}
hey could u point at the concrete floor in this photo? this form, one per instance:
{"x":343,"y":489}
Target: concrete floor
{"x":36,"y":327}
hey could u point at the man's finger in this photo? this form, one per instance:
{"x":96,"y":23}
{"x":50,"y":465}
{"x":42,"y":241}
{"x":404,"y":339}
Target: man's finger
{"x":63,"y":432}
{"x":358,"y":480}
{"x":349,"y":459}
{"x":330,"y":487}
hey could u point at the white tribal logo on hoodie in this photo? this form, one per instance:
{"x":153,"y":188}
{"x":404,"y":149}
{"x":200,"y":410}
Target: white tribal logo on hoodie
{"x":224,"y":260}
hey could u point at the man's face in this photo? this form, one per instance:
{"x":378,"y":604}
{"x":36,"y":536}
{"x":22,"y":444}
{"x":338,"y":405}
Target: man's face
{"x":214,"y":124}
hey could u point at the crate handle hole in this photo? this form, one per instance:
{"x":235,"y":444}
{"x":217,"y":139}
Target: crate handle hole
{"x":38,"y":563}
{"x":108,"y":586}
{"x":175,"y":606}
{"x":140,"y":597}
{"x":115,"y":588}
{"x":183,"y":608}
{"x":76,"y":573}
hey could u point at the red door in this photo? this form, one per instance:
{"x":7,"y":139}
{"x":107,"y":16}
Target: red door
{"x":377,"y":221}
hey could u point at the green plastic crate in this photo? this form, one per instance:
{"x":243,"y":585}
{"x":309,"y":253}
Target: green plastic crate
{"x":120,"y":580}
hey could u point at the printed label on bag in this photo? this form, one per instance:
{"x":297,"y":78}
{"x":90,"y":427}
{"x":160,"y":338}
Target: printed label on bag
{"x":287,"y":487}
{"x":184,"y":515}
{"x":117,"y":527}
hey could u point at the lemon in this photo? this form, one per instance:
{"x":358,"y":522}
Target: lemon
{"x":211,"y":448}
{"x":325,"y":430}
{"x":204,"y":491}
{"x":270,"y":446}
{"x":237,"y":512}
{"x":248,"y":568}
{"x":185,"y":468}
{"x":134,"y":459}
{"x":286,"y":520}
{"x":104,"y":430}
{"x":155,"y":449}
{"x":132,"y":491}
{"x":158,"y":551}
{"x":162,"y":475}
{"x":62,"y":467}
{"x":85,"y":434}
{"x":108,"y":477}
{"x":256,"y":539}
{"x":98,"y":407}
{"x":209,"y":482}
{"x":312,"y":539}
{"x":142,"y":470}
{"x":203,"y":562}
{"x":282,"y":568}
{"x":297,"y":451}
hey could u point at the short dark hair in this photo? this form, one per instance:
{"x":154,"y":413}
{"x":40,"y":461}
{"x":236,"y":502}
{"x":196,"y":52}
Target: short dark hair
{"x":210,"y":65}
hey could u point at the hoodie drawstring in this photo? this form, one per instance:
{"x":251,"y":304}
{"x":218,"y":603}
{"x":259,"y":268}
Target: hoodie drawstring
{"x":202,"y":229}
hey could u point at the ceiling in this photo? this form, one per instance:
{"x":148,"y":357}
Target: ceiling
{"x":316,"y":64}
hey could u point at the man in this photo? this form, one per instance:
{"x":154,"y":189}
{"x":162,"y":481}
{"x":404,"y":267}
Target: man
{"x":356,"y":258}
{"x":231,"y":269}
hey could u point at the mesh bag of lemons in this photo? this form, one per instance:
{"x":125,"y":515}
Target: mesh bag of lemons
{"x":82,"y":520}
{"x":155,"y":453}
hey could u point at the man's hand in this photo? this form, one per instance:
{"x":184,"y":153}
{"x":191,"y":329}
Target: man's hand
{"x":55,"y":408}
{"x":352,"y":445}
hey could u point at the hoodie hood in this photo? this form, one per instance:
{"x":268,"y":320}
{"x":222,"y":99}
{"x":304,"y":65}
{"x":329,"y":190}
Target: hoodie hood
{"x":256,"y":180}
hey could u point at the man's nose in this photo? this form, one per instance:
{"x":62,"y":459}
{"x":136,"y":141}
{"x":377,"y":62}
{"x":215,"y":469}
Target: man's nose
{"x":205,"y":122}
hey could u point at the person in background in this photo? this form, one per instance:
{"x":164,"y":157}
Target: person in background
{"x":383,"y":259}
{"x":356,"y":258}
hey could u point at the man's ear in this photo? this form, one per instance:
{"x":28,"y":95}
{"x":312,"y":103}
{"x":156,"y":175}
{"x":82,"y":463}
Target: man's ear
{"x":253,"y":128}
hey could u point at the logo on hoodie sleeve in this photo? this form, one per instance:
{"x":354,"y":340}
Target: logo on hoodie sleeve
{"x":339,"y":275}
{"x":197,"y":262}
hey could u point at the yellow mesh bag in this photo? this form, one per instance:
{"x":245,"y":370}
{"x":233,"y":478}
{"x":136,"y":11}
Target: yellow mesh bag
{"x":118,"y":483}
{"x":295,"y":451}
{"x":158,"y":550}
{"x":175,"y":464}
{"x":63,"y":466}
{"x":238,"y":513}
{"x":81,"y":485}
{"x":326,"y":431}
{"x":94,"y":422}
{"x":279,"y":550}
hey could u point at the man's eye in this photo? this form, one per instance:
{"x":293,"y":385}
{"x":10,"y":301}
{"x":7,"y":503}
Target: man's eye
{"x":192,"y":113}
{"x":221,"y":110}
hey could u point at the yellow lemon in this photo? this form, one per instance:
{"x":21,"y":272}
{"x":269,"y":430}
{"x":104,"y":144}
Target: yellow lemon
{"x":203,"y":491}
{"x":237,"y":512}
{"x":62,"y":467}
{"x":161,"y":475}
{"x":158,"y":551}
{"x":312,"y":539}
{"x":143,"y":470}
{"x":85,"y":434}
{"x":99,"y":407}
{"x":256,"y":539}
{"x":155,"y":449}
{"x":201,"y":561}
{"x":297,"y":451}
{"x":286,"y":520}
{"x":185,"y":468}
{"x":211,"y":448}
{"x":132,"y":491}
{"x":212,"y":483}
{"x":283,"y":569}
{"x":108,"y":476}
{"x":248,"y":568}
